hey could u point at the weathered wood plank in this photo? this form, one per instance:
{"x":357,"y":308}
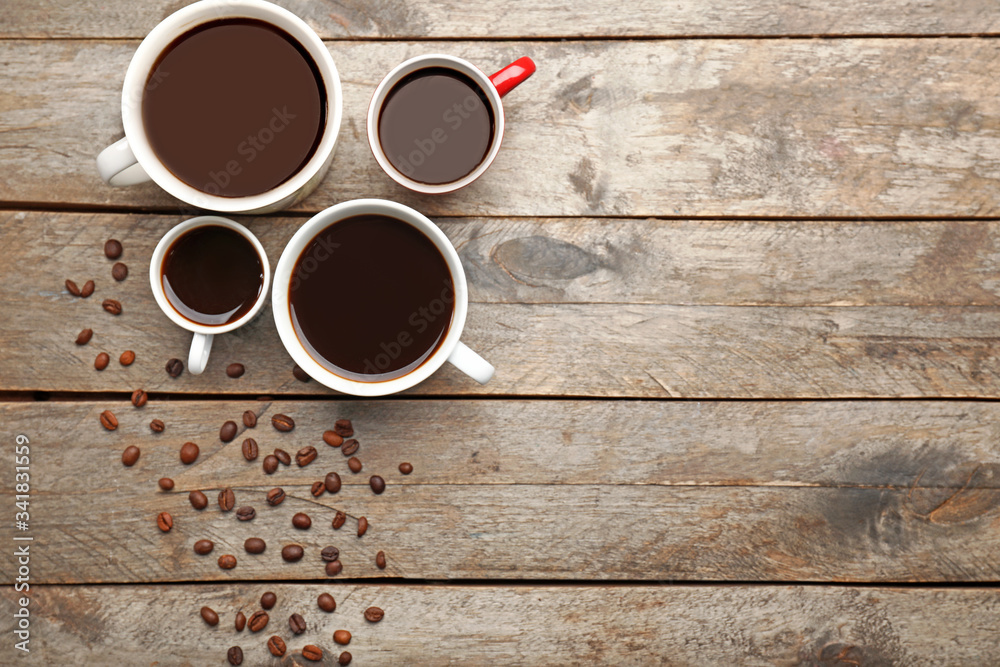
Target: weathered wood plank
{"x":522,"y":18}
{"x":535,"y":320}
{"x":538,"y":625}
{"x":886,"y":127}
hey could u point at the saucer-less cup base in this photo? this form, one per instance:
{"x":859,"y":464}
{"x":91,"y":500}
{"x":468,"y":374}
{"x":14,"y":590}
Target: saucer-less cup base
{"x":201,"y":343}
{"x":450,"y":349}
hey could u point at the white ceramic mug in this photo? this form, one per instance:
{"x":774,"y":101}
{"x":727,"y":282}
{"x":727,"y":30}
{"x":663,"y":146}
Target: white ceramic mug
{"x":494,"y":87}
{"x":131,"y":160}
{"x":450,"y":349}
{"x":201,"y":342}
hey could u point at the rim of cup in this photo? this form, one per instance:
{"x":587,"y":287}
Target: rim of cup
{"x":177,"y":24}
{"x":408,"y":67}
{"x":156,"y":268}
{"x":282,"y":282}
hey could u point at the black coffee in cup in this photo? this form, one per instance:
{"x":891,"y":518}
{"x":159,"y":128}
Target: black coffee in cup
{"x":234,"y":107}
{"x":436,"y":125}
{"x":212,"y":275}
{"x":371,"y":298}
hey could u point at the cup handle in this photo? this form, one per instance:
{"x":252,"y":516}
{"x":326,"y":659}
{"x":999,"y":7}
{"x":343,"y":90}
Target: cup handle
{"x":201,"y":347}
{"x":470,"y":363}
{"x":117,"y":165}
{"x":513,"y":74}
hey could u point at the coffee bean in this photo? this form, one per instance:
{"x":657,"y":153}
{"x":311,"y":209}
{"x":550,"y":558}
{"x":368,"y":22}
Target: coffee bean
{"x":270,"y":464}
{"x":87,"y":289}
{"x":300,"y":374}
{"x":350,"y":447}
{"x":276,"y":645}
{"x":72,"y":288}
{"x":139,"y":398}
{"x":227,"y":561}
{"x":283,"y":422}
{"x":241,"y":621}
{"x":317,"y":489}
{"x":333,"y":568}
{"x":164,"y":521}
{"x":338,"y":520}
{"x":175,"y":367}
{"x":157,"y":426}
{"x":362,"y":526}
{"x":377,"y":484}
{"x":258,"y":621}
{"x":166,"y":483}
{"x":84,"y":336}
{"x":204,"y":547}
{"x":113,"y":306}
{"x":301,"y":521}
{"x":332,"y":439}
{"x":108,"y":420}
{"x":268,"y":600}
{"x":235,"y":370}
{"x":199,"y":500}
{"x":344,"y":659}
{"x":254,"y":545}
{"x":312,"y":652}
{"x":342,"y":637}
{"x":250,"y":419}
{"x":228,"y":431}
{"x":354,"y":463}
{"x":112,"y":249}
{"x":275,"y":496}
{"x":332,"y":482}
{"x":227,"y":499}
{"x":189,"y":453}
{"x":330,"y":554}
{"x":210,"y":616}
{"x":130,"y":455}
{"x":405,"y":468}
{"x":126,"y":358}
{"x":344,"y":428}
{"x":102,"y":361}
{"x":326,"y":602}
{"x":283,"y":456}
{"x":305,"y":456}
{"x":250,"y":449}
{"x":292,"y":553}
{"x":374,"y":614}
{"x":235,"y":655}
{"x":246,"y":513}
{"x":380,"y":560}
{"x":119,"y":271}
{"x":296,"y":624}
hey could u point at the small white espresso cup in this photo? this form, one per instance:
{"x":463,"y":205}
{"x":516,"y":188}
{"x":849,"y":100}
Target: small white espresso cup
{"x":201,"y":343}
{"x":131,"y":160}
{"x":450,"y":349}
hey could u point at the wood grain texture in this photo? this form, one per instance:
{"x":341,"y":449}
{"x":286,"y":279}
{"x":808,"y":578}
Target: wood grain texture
{"x":523,"y":18}
{"x":586,"y":517}
{"x":884,"y":127}
{"x":543,"y":625}
{"x":675,"y":312}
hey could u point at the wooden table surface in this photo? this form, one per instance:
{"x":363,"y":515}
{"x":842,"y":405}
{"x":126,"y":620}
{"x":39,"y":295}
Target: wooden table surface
{"x":737,"y":265}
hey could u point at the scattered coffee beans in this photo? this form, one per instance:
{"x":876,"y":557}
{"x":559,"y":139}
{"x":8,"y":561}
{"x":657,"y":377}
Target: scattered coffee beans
{"x":268,"y":600}
{"x":166,"y":484}
{"x":157,"y":426}
{"x":164,"y":521}
{"x":199,"y":500}
{"x":113,"y":306}
{"x":350,"y":447}
{"x":84,"y":336}
{"x":301,"y":521}
{"x":354,"y":463}
{"x":235,"y":655}
{"x":270,"y":464}
{"x":227,"y":499}
{"x":102,"y":361}
{"x":333,"y":568}
{"x":250,"y":419}
{"x":342,"y":637}
{"x":305,"y":456}
{"x":300,"y":374}
{"x":276,"y":645}
{"x":374,"y":614}
{"x":296,"y":624}
{"x":332,"y":482}
{"x":72,"y":288}
{"x":87,"y":289}
{"x":228,"y":431}
{"x":175,"y":367}
{"x":130,"y":455}
{"x":127,"y":358}
{"x":312,"y":652}
{"x":227,"y":561}
{"x":108,"y":420}
{"x":326,"y":602}
{"x":292,"y":553}
{"x":258,"y":621}
{"x":362,"y":526}
{"x":254,"y":545}
{"x":204,"y":547}
{"x":332,"y":439}
{"x":275,"y":496}
{"x":283,"y":456}
{"x":405,"y":468}
{"x":209,"y":615}
{"x":250,"y":449}
{"x":317,"y":489}
{"x":235,"y":370}
{"x":189,"y":453}
{"x":112,"y":249}
{"x":241,"y":621}
{"x":380,"y":560}
{"x":344,"y":659}
{"x":283,"y":422}
{"x":338,"y":520}
{"x":377,"y":484}
{"x":119,"y":271}
{"x":344,"y":428}
{"x":246,"y":513}
{"x":330,"y":554}
{"x":139,"y":398}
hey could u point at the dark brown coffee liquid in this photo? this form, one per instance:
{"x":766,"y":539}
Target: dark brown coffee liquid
{"x":371,"y":298}
{"x":212,"y":275}
{"x":436,"y":125}
{"x":234,"y":107}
